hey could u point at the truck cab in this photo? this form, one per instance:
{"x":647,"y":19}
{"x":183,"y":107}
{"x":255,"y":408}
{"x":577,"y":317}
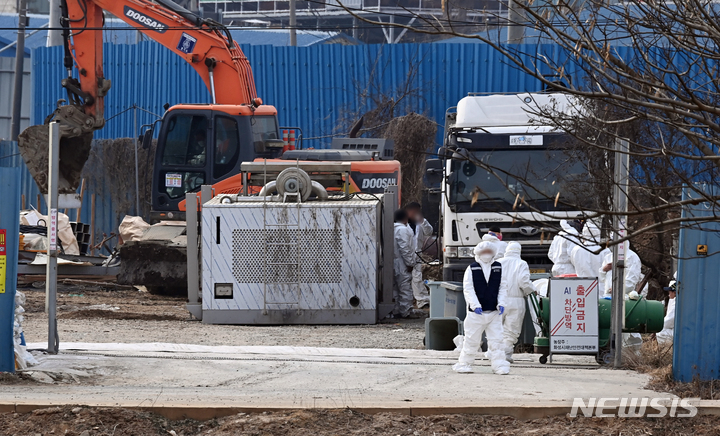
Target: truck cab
{"x":502,"y":167}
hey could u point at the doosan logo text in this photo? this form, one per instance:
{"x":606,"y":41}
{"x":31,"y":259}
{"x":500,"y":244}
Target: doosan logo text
{"x":380,"y":182}
{"x":143,"y":19}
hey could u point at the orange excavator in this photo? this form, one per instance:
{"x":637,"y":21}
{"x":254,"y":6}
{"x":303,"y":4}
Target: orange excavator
{"x":198,"y":144}
{"x":237,"y":116}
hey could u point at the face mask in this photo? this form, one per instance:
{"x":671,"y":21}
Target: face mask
{"x":497,"y":235}
{"x":487,"y":258}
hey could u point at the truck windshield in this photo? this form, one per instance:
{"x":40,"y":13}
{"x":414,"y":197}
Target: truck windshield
{"x":539,"y":175}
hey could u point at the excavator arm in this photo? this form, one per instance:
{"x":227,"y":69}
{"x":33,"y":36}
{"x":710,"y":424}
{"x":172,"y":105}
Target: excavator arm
{"x":205,"y":44}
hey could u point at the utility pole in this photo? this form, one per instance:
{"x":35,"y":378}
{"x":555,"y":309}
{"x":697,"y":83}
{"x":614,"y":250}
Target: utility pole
{"x":52,"y":235}
{"x":54,"y":37}
{"x":19,"y":68}
{"x":620,"y":191}
{"x":136,"y":135}
{"x":515,"y":22}
{"x":293,"y":24}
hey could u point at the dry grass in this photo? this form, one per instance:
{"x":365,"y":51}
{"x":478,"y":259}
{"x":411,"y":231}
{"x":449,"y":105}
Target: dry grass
{"x":77,"y":421}
{"x":650,"y":357}
{"x":656,"y":361}
{"x":662,"y":380}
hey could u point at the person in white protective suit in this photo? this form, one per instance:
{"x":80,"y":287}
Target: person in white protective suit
{"x":403,"y":264}
{"x":517,"y":273}
{"x":485,"y":290}
{"x":587,"y":258}
{"x":665,"y":336}
{"x":494,"y":236}
{"x":560,"y":248}
{"x":633,"y":273}
{"x":423,"y":231}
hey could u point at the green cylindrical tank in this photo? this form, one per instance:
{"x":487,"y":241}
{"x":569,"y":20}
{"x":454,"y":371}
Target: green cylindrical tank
{"x":641,"y":316}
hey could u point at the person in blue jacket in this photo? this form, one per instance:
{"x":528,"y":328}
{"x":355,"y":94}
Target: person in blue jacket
{"x":485,"y":291}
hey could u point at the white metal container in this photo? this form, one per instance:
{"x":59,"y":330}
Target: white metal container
{"x":291,"y":263}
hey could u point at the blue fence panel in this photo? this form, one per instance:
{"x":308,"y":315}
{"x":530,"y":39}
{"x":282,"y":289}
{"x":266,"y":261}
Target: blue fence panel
{"x":312,"y":87}
{"x":319,"y":88}
{"x":145,"y":74}
{"x":696,"y":341}
{"x":9,"y":221}
{"x":10,"y":158}
{"x":106,"y":220}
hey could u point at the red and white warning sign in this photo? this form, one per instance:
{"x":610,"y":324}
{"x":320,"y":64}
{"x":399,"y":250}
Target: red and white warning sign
{"x":573,"y":315}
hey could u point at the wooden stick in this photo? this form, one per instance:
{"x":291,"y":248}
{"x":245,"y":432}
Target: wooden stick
{"x":22,"y":202}
{"x":39,"y":203}
{"x":82,"y":196}
{"x":92,"y":223}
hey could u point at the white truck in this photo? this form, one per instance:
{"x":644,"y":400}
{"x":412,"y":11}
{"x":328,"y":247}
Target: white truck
{"x":495,"y":153}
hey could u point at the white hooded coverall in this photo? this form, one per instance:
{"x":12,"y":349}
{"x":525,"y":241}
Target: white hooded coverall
{"x":559,"y":252}
{"x":403,"y":263}
{"x":665,"y":336}
{"x":633,"y":273}
{"x":519,"y":286}
{"x":499,"y":245}
{"x":583,"y":257}
{"x":489,"y":322}
{"x":423,"y":232}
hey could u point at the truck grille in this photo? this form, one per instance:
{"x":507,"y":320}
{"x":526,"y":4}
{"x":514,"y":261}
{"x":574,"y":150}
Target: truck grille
{"x":522,"y":231}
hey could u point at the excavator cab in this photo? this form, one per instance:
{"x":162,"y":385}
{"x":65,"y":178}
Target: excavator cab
{"x":203,"y":144}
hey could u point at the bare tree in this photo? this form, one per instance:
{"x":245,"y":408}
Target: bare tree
{"x":392,"y":112}
{"x":645,"y":71}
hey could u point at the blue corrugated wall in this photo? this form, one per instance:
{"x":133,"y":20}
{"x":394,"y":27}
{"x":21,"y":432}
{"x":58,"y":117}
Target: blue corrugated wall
{"x":105,"y":216}
{"x":9,"y":221}
{"x":312,"y":87}
{"x":696,"y":352}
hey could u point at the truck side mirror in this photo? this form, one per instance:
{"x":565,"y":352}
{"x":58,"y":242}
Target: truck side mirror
{"x":443,"y":153}
{"x":433,"y":172}
{"x":147,"y":139}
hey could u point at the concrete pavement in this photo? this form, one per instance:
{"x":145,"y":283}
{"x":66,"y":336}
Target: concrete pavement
{"x":231,"y":379}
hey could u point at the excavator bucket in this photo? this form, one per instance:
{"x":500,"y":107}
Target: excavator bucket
{"x":34,"y":147}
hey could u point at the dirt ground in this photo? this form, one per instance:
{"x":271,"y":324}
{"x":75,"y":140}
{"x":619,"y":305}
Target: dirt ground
{"x":91,"y":314}
{"x":83,"y":421}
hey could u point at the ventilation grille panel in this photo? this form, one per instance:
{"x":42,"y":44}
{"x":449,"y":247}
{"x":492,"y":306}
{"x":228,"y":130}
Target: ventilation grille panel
{"x":292,"y":255}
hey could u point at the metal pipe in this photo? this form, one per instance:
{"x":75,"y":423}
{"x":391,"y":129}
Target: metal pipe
{"x":54,"y":37}
{"x":267,"y":189}
{"x":19,"y":68}
{"x":212,"y":86}
{"x":137,"y":177}
{"x":52,"y":231}
{"x":293,"y":24}
{"x":515,"y":22}
{"x":319,"y":191}
{"x":620,"y":192}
